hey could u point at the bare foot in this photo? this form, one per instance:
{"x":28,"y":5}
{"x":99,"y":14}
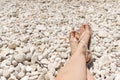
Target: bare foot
{"x":84,"y":39}
{"x":76,"y":38}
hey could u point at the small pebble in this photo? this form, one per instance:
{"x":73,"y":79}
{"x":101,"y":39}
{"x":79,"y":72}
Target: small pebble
{"x":25,"y":78}
{"x":12,"y":46}
{"x":6,"y":73}
{"x":102,"y":34}
{"x":26,"y":49}
{"x":20,"y":75}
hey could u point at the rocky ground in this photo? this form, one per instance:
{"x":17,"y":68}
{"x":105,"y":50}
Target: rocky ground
{"x":34,"y":37}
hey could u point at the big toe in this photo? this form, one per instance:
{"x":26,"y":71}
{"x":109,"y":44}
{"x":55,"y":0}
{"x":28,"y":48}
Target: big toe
{"x":87,"y":34}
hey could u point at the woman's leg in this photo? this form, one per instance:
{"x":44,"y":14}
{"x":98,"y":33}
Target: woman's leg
{"x":76,"y":69}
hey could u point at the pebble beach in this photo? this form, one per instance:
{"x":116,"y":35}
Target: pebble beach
{"x":34,"y":37}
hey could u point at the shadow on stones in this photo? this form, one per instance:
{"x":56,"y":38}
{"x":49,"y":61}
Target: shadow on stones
{"x":90,"y":64}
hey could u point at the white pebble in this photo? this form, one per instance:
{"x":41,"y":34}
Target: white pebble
{"x":33,"y":77}
{"x":25,"y":78}
{"x":45,"y":61}
{"x":20,"y":75}
{"x":6,"y":73}
{"x":20,"y":57}
{"x":26,"y":50}
{"x":41,"y":77}
{"x":2,"y":78}
{"x":28,"y":68}
{"x":102,"y":33}
{"x":40,"y":27}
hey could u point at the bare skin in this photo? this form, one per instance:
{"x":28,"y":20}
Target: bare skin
{"x":74,"y":43}
{"x":75,"y":68}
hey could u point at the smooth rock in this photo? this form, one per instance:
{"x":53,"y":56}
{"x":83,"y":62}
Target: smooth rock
{"x":12,"y":46}
{"x":46,"y":33}
{"x":63,"y":55}
{"x":45,"y":61}
{"x":17,"y":68}
{"x":34,"y":73}
{"x":113,"y":67}
{"x":39,"y":68}
{"x":40,"y":57}
{"x":27,"y":62}
{"x":34,"y":58}
{"x":102,"y":33}
{"x":117,"y":77}
{"x":12,"y":77}
{"x":32,"y":49}
{"x":25,"y":39}
{"x":33,"y":77}
{"x":28,"y":68}
{"x":6,"y":73}
{"x":41,"y":77}
{"x":26,"y":50}
{"x":56,"y":65}
{"x":11,"y":69}
{"x":2,"y":78}
{"x":44,"y":70}
{"x":20,"y":75}
{"x":116,"y":36}
{"x":14,"y":62}
{"x":41,"y":27}
{"x":51,"y":67}
{"x":19,"y":57}
{"x":49,"y":76}
{"x":34,"y":67}
{"x":25,"y":78}
{"x":28,"y":56}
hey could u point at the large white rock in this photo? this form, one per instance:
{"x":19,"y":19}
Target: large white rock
{"x":19,"y":57}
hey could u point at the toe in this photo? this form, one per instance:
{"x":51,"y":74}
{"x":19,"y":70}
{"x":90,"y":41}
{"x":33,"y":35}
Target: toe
{"x":72,"y":35}
{"x":77,"y":35}
{"x":81,"y":29}
{"x":87,"y":34}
